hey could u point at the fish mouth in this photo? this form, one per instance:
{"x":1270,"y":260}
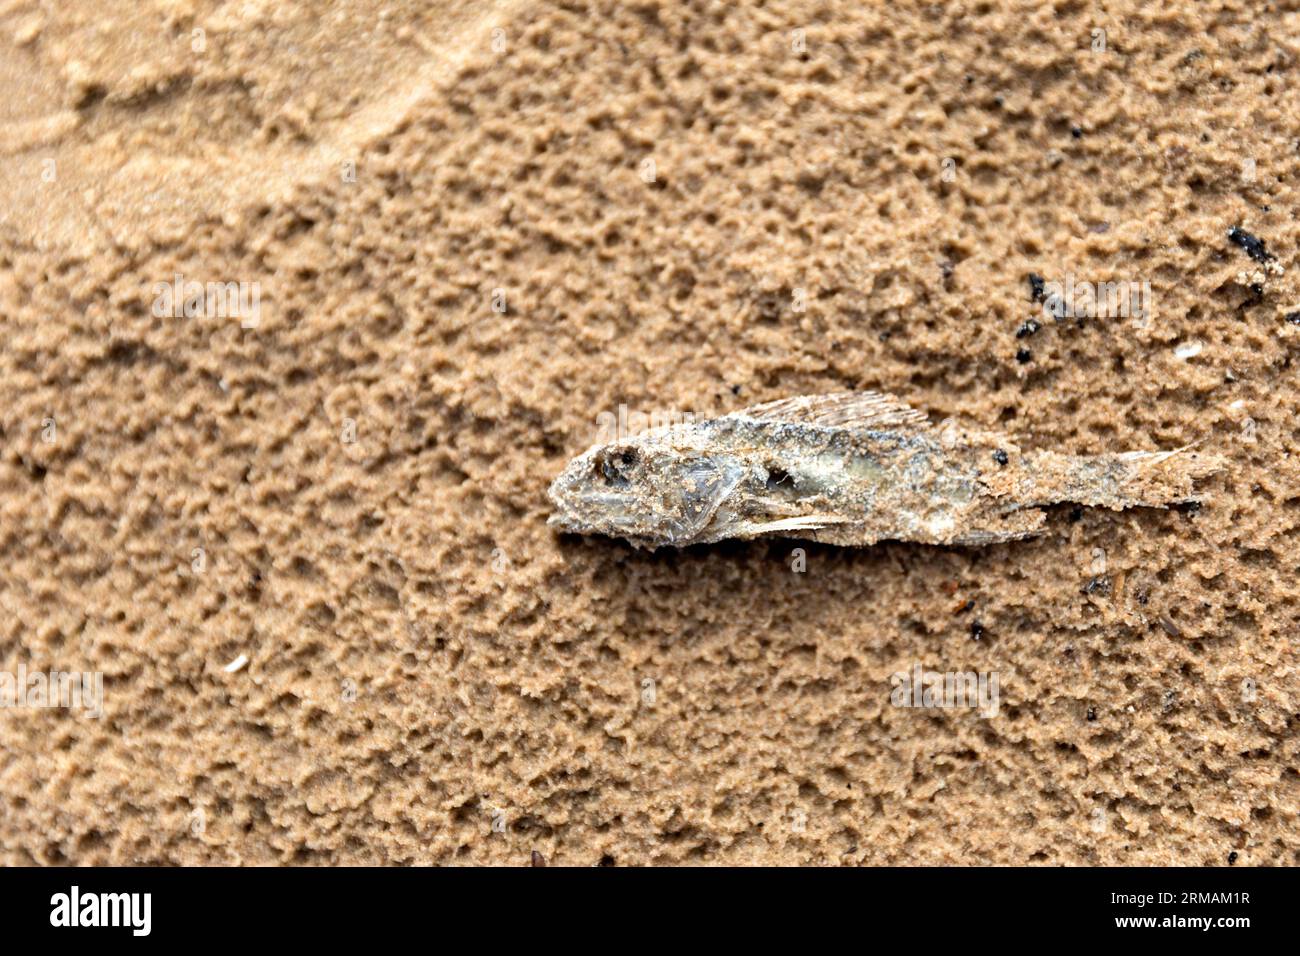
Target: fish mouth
{"x":585,"y":511}
{"x":563,"y":516}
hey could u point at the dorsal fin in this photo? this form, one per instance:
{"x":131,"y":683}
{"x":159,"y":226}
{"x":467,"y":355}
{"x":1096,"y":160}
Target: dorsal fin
{"x":840,"y":410}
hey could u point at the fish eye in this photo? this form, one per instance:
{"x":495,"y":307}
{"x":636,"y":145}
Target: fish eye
{"x":616,"y":467}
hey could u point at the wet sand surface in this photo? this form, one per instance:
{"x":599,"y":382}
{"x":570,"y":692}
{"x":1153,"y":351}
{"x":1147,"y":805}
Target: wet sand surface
{"x":467,"y":231}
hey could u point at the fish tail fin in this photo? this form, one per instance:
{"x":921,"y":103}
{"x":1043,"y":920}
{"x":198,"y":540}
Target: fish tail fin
{"x":1162,"y":478}
{"x":1131,"y":479}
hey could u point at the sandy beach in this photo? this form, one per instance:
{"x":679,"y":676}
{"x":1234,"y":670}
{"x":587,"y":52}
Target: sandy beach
{"x":303,"y":306}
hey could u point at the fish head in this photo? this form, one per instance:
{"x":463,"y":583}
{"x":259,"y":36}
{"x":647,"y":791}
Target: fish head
{"x":653,"y":491}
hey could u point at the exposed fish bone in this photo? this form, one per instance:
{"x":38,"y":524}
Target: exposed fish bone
{"x":849,"y":468}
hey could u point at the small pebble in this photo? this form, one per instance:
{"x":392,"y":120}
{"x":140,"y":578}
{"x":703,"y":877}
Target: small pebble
{"x":1098,"y":585}
{"x":1036,"y":284}
{"x":1253,"y":245}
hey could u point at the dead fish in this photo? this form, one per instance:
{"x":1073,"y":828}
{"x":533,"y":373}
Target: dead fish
{"x":849,"y":468}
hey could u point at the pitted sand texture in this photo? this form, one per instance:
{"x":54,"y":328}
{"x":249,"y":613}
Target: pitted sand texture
{"x":468,"y":231}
